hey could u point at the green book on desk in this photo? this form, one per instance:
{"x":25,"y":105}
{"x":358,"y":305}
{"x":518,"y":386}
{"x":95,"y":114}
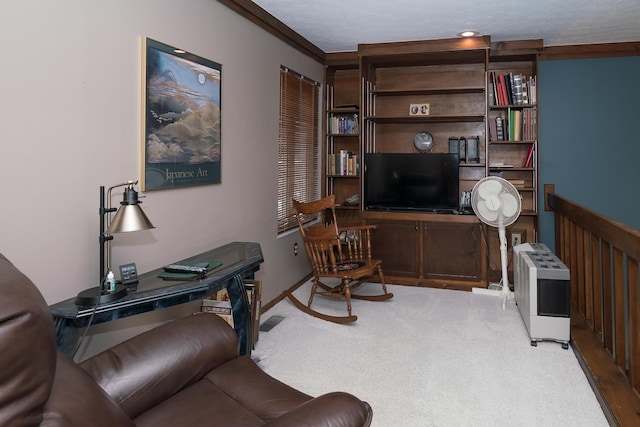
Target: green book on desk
{"x":185,"y":276}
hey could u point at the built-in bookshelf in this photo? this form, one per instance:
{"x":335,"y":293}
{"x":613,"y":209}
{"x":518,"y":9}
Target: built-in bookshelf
{"x":512,"y":145}
{"x":472,"y":97}
{"x":342,"y":159}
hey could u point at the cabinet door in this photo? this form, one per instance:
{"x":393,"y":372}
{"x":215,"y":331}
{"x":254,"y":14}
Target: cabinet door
{"x":396,"y":244}
{"x":452,"y":251}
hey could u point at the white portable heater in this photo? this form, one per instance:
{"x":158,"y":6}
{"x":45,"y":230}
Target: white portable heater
{"x":541,"y":287}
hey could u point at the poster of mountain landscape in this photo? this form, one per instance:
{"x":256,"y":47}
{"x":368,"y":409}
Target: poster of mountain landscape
{"x":181,"y":134}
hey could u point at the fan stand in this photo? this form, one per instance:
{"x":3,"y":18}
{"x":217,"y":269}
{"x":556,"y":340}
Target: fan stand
{"x":504,"y":292}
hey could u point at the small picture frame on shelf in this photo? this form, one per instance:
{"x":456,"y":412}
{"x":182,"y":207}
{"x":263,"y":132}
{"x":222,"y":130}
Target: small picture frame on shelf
{"x":419,"y":109}
{"x":473,"y":154}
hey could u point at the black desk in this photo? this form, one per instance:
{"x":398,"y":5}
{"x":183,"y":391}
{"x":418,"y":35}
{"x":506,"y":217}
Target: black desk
{"x":240,"y":261}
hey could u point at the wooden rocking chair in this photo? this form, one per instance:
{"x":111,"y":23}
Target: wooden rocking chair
{"x":337,"y":253}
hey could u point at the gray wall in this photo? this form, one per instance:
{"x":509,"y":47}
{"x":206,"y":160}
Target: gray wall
{"x":70,"y":85}
{"x":589,"y":137}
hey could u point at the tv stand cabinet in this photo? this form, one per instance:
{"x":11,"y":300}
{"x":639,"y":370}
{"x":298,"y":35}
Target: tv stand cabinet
{"x":429,"y":249}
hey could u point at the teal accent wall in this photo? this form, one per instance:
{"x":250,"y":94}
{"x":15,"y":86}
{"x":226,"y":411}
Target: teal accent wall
{"x":589,"y":145}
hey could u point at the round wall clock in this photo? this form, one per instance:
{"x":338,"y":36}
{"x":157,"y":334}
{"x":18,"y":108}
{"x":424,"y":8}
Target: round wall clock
{"x":423,"y":141}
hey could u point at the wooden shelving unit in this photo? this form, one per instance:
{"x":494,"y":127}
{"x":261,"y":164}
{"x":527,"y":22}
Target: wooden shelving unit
{"x":342,"y":100}
{"x":378,"y":83}
{"x":514,"y":58}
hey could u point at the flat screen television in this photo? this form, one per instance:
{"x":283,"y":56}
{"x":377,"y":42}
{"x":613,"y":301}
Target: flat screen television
{"x":411,"y":181}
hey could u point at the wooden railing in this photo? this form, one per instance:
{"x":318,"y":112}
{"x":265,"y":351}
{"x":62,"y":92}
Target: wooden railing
{"x":602,"y":256}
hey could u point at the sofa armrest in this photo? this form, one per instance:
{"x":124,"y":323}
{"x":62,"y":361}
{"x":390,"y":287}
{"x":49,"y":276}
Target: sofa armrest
{"x":150,"y":367}
{"x":332,"y":409}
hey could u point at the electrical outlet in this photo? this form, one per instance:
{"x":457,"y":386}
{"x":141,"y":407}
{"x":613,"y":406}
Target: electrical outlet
{"x":516,"y":238}
{"x":295,"y":249}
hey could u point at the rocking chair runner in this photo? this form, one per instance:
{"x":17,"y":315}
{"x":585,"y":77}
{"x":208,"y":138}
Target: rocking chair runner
{"x":337,"y":253}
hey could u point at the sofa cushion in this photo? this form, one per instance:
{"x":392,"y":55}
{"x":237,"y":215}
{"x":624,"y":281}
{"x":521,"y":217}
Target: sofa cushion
{"x":76,"y":400}
{"x":201,"y":404}
{"x":26,"y":376}
{"x":254,"y":389}
{"x":151,"y":367}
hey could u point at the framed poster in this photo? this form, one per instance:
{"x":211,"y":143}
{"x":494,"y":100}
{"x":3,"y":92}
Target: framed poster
{"x":181,"y":118}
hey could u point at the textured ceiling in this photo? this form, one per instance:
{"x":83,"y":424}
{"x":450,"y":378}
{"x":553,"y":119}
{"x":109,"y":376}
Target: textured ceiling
{"x":340,"y":25}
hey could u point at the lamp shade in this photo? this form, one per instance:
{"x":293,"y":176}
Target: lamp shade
{"x":130,"y":217}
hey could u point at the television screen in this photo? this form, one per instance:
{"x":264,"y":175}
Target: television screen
{"x":408,"y":181}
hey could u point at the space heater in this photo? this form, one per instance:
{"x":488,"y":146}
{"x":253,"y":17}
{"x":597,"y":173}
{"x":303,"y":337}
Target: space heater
{"x":541,"y":288}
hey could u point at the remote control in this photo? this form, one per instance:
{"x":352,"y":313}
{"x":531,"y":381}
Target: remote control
{"x":181,"y":268}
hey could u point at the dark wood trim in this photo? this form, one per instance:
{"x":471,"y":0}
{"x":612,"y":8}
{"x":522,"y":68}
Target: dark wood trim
{"x":515,"y":50}
{"x":342,"y":60}
{"x":620,"y":403}
{"x":271,"y":24}
{"x":625,"y":237}
{"x":603,"y":50}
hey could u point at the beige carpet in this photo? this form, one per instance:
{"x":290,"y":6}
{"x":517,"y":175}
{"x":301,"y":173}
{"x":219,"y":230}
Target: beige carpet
{"x":431,"y":357}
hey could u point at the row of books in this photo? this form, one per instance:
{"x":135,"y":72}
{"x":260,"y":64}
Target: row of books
{"x":220,"y":304}
{"x":343,"y":163}
{"x":518,"y":183}
{"x":512,"y":89}
{"x":344,"y":125}
{"x":518,"y":125}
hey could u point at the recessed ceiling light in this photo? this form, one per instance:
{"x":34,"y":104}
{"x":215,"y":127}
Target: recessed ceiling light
{"x":468,"y":33}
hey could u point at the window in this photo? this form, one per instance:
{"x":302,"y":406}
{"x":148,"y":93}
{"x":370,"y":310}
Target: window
{"x":298,"y":145}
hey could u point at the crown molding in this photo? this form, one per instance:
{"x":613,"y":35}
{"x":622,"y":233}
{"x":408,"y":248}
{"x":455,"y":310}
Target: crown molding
{"x":271,"y":24}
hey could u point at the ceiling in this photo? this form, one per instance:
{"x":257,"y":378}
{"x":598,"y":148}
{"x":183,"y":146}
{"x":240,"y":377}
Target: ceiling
{"x":340,"y":25}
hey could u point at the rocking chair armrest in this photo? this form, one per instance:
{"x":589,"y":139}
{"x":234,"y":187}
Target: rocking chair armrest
{"x":314,"y":239}
{"x":357,"y":227}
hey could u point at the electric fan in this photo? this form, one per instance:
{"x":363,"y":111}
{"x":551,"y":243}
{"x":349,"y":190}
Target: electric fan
{"x":497,"y":203}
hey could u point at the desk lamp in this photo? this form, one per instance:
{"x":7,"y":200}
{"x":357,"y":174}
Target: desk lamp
{"x":129,"y":217}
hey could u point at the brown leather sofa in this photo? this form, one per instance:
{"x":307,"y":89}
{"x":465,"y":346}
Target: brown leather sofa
{"x":184,"y":373}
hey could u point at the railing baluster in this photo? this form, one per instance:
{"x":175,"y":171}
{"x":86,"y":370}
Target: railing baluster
{"x":587,"y":276}
{"x":619,"y":308}
{"x":596,"y":274}
{"x":634,"y":323}
{"x":607,"y":298}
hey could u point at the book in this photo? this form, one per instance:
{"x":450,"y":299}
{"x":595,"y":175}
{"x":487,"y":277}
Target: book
{"x":255,"y":287}
{"x":220,"y":307}
{"x":492,"y":94}
{"x":533,"y":97}
{"x":517,"y":125}
{"x":499,"y":129}
{"x":500,"y":165}
{"x":518,"y":183}
{"x":503,"y":90}
{"x":344,"y":162}
{"x":529,"y":158}
{"x":517,"y":89}
{"x":525,"y":91}
{"x":493,"y":132}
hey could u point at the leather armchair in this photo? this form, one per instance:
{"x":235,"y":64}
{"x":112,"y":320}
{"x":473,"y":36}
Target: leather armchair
{"x":186,"y":372}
